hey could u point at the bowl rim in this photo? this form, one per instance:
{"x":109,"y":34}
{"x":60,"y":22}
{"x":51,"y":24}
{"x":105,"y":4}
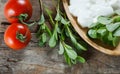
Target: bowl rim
{"x":76,"y":26}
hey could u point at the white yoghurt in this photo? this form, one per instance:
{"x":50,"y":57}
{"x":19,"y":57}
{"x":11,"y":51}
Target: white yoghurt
{"x":87,"y":11}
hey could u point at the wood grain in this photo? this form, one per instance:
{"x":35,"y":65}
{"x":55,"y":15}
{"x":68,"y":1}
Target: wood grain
{"x":43,"y":60}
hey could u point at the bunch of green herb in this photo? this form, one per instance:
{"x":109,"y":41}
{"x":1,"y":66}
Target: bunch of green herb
{"x":60,"y":34}
{"x":106,"y":29}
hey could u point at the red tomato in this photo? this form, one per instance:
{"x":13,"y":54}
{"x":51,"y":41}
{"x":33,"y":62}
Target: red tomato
{"x":12,"y":36}
{"x":14,"y":8}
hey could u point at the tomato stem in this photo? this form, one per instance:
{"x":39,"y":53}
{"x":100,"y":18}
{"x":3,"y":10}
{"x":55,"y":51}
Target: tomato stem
{"x":21,"y":37}
{"x":23,"y":17}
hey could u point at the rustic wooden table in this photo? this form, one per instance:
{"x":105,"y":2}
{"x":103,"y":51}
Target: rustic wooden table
{"x":36,"y":60}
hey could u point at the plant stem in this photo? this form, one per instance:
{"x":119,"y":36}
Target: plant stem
{"x":48,"y":30}
{"x":41,"y":6}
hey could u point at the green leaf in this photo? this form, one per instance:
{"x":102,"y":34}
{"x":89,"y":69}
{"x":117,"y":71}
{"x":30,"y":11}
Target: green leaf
{"x":73,"y":39}
{"x":94,"y":25}
{"x":81,"y":47}
{"x":55,"y":31}
{"x":66,"y":32}
{"x":104,"y":20}
{"x":102,"y":31}
{"x":116,"y":41}
{"x":110,"y":36}
{"x":73,"y":61}
{"x":80,"y":59}
{"x":61,"y":48}
{"x":92,"y":33}
{"x":40,"y":43}
{"x":48,"y":30}
{"x":56,"y":36}
{"x":63,"y":21}
{"x":105,"y":38}
{"x":52,"y":41}
{"x":70,"y":52}
{"x":42,"y":20}
{"x":59,"y":30}
{"x":112,"y":27}
{"x":58,"y":17}
{"x":67,"y":59}
{"x":117,"y":32}
{"x":44,"y":37}
{"x":63,"y":36}
{"x":116,"y":19}
{"x":43,"y":26}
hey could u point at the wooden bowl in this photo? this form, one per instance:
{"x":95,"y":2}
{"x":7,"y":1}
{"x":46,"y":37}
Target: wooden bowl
{"x":83,"y":33}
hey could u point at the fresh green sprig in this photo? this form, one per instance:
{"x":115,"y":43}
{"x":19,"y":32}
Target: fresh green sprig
{"x":54,"y":38}
{"x":107,"y":29}
{"x":59,"y":34}
{"x":70,"y":54}
{"x":43,"y":31}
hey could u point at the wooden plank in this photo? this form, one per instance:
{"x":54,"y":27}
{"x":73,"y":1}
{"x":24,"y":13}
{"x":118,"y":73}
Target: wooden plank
{"x":36,"y":60}
{"x":44,"y":60}
{"x":31,"y":60}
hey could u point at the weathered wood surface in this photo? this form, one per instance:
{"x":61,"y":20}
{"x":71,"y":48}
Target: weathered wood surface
{"x":36,"y":60}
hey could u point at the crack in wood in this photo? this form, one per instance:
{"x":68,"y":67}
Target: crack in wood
{"x":5,"y":23}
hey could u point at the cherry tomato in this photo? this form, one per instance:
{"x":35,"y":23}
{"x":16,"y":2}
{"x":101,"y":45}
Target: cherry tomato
{"x":13,"y":9}
{"x":17,"y":36}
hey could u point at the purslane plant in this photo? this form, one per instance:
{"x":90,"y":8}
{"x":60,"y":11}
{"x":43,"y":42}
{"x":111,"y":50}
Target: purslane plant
{"x":61,"y":32}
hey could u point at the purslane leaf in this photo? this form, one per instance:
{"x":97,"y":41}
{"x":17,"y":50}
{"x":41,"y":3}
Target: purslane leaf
{"x":52,"y":41}
{"x":70,"y":52}
{"x":94,"y":25}
{"x":40,"y":43}
{"x":58,"y":17}
{"x":112,"y":27}
{"x":116,"y":19}
{"x":42,"y":20}
{"x":56,"y":31}
{"x":110,"y":36}
{"x":73,"y":39}
{"x":43,"y":26}
{"x":58,"y":34}
{"x":63,"y":21}
{"x":61,"y":48}
{"x":116,"y":41}
{"x":73,"y":61}
{"x":117,"y":32}
{"x":102,"y":31}
{"x":79,"y":46}
{"x":92,"y":33}
{"x":44,"y":37}
{"x":104,"y":20}
{"x":67,"y":59}
{"x":81,"y":59}
{"x":108,"y":31}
